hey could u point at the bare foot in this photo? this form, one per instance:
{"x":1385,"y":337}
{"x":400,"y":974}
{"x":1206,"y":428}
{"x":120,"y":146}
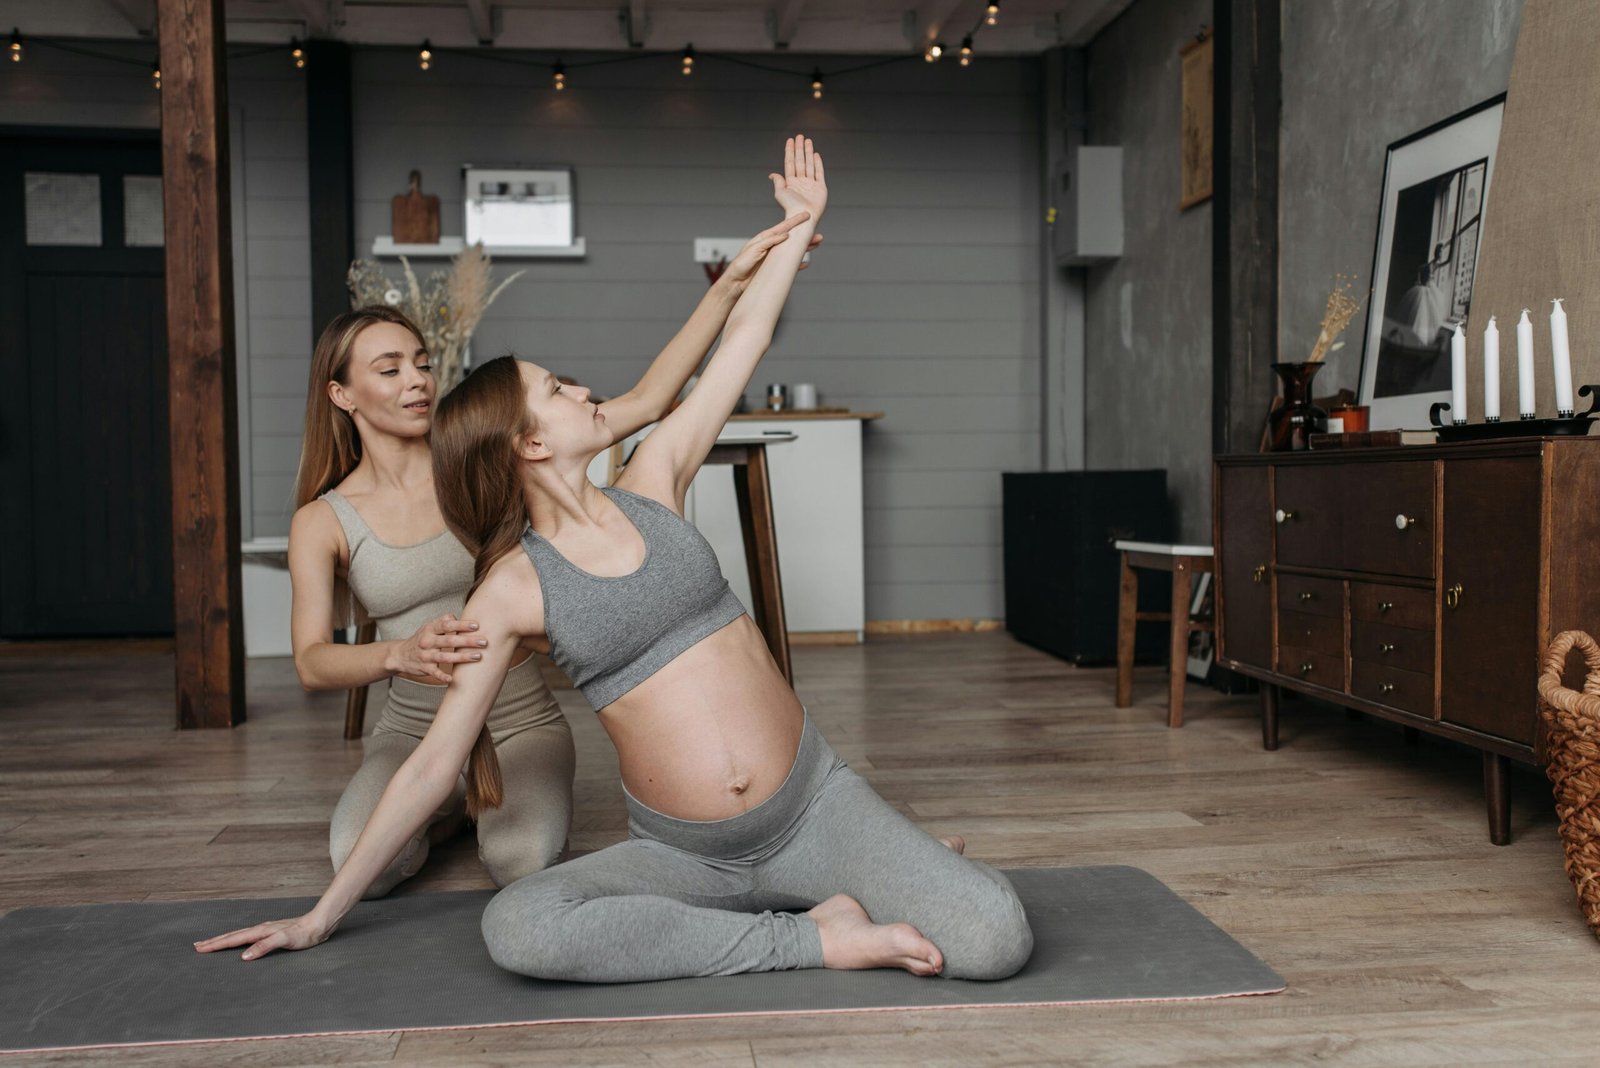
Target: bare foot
{"x":954,"y":842}
{"x":850,"y":940}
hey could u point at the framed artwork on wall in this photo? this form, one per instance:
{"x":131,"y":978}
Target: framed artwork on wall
{"x":1430,"y":224}
{"x":1196,"y":136}
{"x":519,"y":208}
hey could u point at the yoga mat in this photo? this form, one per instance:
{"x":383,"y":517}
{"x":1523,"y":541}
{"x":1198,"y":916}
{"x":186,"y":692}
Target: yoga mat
{"x":99,"y":975}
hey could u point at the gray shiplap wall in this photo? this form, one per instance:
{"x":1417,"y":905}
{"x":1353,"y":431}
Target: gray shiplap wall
{"x":267,"y":107}
{"x":923,"y":303}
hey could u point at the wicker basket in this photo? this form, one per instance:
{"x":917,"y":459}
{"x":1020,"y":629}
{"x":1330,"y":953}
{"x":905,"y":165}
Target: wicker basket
{"x":1572,"y":746}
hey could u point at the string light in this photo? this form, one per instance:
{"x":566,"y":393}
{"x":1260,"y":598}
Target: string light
{"x":560,"y":77}
{"x":934,"y":51}
{"x":966,"y":51}
{"x":298,"y":53}
{"x":14,"y":50}
{"x":155,"y":75}
{"x":816,"y":84}
{"x":425,"y":55}
{"x":688,"y":59}
{"x":991,"y":14}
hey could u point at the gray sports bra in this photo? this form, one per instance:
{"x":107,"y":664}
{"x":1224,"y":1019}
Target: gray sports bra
{"x":402,"y":586}
{"x":609,"y":634}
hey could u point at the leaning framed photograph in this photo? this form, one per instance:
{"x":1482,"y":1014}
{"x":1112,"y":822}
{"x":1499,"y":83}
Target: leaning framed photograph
{"x":519,"y":208}
{"x":1435,"y":188}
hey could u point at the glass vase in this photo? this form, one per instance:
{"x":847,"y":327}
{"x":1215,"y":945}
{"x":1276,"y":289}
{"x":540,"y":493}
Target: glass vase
{"x":1291,"y":424}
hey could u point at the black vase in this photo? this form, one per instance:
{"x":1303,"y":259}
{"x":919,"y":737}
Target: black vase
{"x":1291,"y":424}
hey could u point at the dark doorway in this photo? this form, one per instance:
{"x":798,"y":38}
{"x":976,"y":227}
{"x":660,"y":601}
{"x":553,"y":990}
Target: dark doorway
{"x":85,"y":501}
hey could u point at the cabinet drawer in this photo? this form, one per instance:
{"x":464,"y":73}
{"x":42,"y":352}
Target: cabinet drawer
{"x":1313,"y":596}
{"x":1308,"y":665}
{"x":1389,"y":519}
{"x":1309,"y":515}
{"x":1399,"y":606}
{"x":1390,"y":646}
{"x":1409,"y":691}
{"x":1321,"y":634}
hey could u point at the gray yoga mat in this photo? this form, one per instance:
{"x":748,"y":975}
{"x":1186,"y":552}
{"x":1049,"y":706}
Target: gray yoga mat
{"x":99,"y":975}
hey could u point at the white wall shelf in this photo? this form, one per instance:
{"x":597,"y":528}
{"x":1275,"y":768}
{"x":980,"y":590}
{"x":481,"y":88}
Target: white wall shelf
{"x":384,"y":245}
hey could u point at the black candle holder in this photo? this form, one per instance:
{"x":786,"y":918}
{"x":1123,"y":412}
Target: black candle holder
{"x":1561,"y":426}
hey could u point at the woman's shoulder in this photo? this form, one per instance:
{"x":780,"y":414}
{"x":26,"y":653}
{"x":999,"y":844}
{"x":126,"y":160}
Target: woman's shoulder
{"x":510,"y":590}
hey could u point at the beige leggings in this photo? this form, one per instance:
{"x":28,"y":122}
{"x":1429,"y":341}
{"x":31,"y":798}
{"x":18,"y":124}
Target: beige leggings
{"x":534,"y":746}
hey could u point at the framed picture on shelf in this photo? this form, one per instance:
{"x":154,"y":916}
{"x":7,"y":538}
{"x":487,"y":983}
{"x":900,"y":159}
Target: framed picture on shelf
{"x":519,"y":208}
{"x":1435,"y":188}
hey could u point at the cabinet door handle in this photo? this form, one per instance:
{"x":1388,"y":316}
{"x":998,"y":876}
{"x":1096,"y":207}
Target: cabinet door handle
{"x":1386,"y":687}
{"x":1258,"y":575}
{"x":1308,"y":596}
{"x":1452,"y":596}
{"x":1283,"y":516}
{"x":1307,"y":667}
{"x":1386,"y":647}
{"x":1402,"y":521}
{"x":1384,"y":606}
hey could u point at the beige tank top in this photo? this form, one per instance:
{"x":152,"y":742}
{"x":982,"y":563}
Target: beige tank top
{"x":401,"y":587}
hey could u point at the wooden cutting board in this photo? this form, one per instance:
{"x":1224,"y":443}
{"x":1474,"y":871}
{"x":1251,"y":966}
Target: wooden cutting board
{"x":415,"y":217}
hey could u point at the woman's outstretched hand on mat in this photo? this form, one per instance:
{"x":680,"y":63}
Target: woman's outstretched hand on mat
{"x":300,"y":933}
{"x":801,"y":186}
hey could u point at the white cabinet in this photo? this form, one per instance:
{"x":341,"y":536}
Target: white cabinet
{"x":817,"y":505}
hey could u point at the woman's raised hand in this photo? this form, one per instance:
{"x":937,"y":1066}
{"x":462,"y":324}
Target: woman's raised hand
{"x":303,"y":932}
{"x":443,"y":641}
{"x":743,"y":266}
{"x":801,"y":186}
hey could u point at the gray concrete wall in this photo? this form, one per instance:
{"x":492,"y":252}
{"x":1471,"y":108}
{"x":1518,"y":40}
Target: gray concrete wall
{"x":1148,"y":319}
{"x":1358,"y":75}
{"x":271,"y":240}
{"x":924,"y":302}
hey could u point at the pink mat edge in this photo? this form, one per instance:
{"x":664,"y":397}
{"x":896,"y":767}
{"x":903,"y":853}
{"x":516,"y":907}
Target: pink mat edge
{"x":645,"y":1019}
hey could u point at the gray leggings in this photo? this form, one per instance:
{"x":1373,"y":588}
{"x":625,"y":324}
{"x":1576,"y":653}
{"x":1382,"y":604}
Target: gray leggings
{"x":682,"y":898}
{"x":534,"y":746}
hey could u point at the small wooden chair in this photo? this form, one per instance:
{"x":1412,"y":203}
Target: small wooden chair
{"x":1183,"y":561}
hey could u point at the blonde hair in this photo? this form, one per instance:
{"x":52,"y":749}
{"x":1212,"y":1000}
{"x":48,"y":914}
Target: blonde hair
{"x":474,"y":443}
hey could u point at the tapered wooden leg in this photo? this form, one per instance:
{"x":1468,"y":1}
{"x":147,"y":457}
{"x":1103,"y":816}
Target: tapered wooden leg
{"x":1497,"y":792}
{"x":1127,"y":620}
{"x":1182,"y":587}
{"x":355,"y":701}
{"x":1269,"y":716}
{"x":753,"y":491}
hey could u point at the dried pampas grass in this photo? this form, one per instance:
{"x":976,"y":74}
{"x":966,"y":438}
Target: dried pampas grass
{"x":446,"y":306}
{"x":1341,"y":308}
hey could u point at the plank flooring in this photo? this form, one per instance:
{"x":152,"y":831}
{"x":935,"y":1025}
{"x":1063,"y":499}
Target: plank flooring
{"x":1354,"y":863}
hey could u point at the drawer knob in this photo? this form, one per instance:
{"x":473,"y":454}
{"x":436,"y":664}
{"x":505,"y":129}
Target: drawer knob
{"x":1384,"y":606}
{"x":1308,"y":596}
{"x":1307,"y":667}
{"x":1258,"y":574}
{"x":1283,"y":516}
{"x":1401,"y":522}
{"x":1386,"y":647}
{"x":1386,"y":687}
{"x":1452,"y":596}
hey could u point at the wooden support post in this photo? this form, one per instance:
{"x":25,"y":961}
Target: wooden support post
{"x":208,"y":623}
{"x":330,"y":165}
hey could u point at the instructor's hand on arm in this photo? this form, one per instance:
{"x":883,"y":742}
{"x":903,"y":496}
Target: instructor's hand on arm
{"x":435,"y":646}
{"x":743,"y":267}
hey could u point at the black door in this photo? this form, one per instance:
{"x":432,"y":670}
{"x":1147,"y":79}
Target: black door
{"x":85,"y":497}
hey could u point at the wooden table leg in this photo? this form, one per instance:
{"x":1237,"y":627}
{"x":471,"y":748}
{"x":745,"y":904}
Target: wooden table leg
{"x":1497,"y":791}
{"x":1127,"y":618}
{"x":1269,"y":716}
{"x":753,"y":491}
{"x":1182,"y":587}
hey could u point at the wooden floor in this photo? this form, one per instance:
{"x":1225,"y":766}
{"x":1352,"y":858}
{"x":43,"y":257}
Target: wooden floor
{"x":1356,"y":865}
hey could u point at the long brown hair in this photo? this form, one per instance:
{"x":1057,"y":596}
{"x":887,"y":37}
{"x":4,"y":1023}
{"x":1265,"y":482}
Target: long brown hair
{"x":332,"y":446}
{"x":474,"y":443}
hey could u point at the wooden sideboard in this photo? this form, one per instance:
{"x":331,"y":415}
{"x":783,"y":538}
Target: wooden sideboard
{"x":1419,"y":584}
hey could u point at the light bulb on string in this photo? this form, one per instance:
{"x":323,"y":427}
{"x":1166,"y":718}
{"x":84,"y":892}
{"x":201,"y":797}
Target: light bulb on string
{"x":297,"y":53}
{"x":14,"y":49}
{"x":935,"y":50}
{"x":425,"y":55}
{"x":816,"y":84}
{"x":688,"y":59}
{"x":155,"y":75}
{"x":991,"y":14}
{"x":966,"y":51}
{"x":559,"y":76}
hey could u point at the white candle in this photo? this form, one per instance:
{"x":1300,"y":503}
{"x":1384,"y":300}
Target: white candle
{"x":1458,"y":376}
{"x":1561,"y":357}
{"x":1525,"y":403}
{"x":1491,"y":372}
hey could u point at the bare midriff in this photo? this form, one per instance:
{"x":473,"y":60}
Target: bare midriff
{"x":713,"y":733}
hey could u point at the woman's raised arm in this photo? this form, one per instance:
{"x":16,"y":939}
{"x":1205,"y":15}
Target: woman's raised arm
{"x":675,"y":450}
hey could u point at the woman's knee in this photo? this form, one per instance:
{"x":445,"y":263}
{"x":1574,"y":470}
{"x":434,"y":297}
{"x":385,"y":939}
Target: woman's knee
{"x":510,"y":857}
{"x":522,"y":929}
{"x":1000,"y":942}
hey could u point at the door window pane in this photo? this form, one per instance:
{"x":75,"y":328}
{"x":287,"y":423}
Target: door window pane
{"x":141,"y":211}
{"x":62,"y":209}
